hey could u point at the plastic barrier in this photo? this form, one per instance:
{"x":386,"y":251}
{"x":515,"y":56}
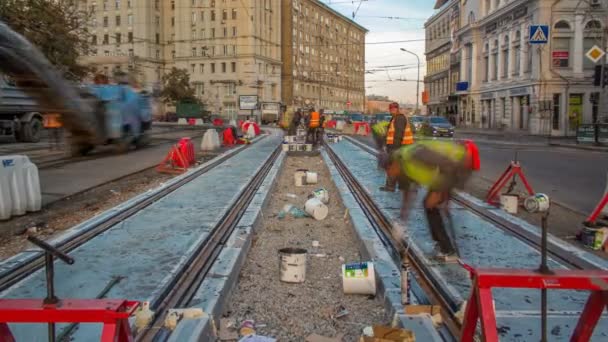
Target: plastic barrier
{"x":218,"y":122}
{"x":229,"y":138}
{"x":182,"y":121}
{"x":19,"y":186}
{"x":186,"y":147}
{"x":198,"y":122}
{"x":191,"y":122}
{"x":331,"y":124}
{"x":211,"y":140}
{"x":362,"y":128}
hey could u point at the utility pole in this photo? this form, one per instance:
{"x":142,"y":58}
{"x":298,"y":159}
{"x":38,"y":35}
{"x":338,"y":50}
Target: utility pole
{"x":417,"y":81}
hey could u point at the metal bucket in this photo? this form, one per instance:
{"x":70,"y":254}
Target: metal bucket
{"x":292,"y":265}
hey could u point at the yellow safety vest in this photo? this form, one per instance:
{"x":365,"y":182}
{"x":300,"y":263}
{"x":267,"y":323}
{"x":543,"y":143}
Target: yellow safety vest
{"x":421,"y":173}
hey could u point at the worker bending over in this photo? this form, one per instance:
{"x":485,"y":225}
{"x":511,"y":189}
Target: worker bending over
{"x":441,"y":167}
{"x":399,"y":133}
{"x":379,"y":130}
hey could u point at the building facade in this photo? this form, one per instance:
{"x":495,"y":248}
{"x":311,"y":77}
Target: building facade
{"x":508,"y":83}
{"x":442,"y":62}
{"x":229,"y":48}
{"x":323,"y":56}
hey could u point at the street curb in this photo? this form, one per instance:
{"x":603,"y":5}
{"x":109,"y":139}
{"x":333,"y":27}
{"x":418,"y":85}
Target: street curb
{"x":214,"y":292}
{"x":581,"y":147}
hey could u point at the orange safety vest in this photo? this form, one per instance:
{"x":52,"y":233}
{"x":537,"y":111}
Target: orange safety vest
{"x":315,"y":120}
{"x":408,"y":136}
{"x":52,"y":121}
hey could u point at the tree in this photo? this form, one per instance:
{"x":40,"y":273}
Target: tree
{"x":176,"y":87}
{"x":57,"y":28}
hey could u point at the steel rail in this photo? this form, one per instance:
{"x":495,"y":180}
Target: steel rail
{"x":556,"y":252}
{"x":438,"y":295}
{"x":13,"y":275}
{"x":184,"y":286}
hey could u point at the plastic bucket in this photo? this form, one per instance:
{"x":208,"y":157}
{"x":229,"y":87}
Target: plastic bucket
{"x":300,"y":177}
{"x":311,"y":177}
{"x":359,"y":278}
{"x":322,"y":194}
{"x":315,"y":208}
{"x":588,"y":235}
{"x":509,"y":203}
{"x":292,"y":265}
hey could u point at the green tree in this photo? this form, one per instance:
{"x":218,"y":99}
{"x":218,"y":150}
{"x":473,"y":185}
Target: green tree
{"x":176,"y":87}
{"x":58,"y":28}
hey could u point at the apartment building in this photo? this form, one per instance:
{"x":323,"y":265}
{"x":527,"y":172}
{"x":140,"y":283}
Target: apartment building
{"x":230,"y":48}
{"x":540,"y":89}
{"x":323,"y":54}
{"x":442,"y":62}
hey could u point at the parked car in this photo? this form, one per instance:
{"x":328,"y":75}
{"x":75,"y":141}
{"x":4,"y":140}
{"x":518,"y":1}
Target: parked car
{"x":437,"y":126}
{"x":383,"y":117}
{"x":416,"y":122}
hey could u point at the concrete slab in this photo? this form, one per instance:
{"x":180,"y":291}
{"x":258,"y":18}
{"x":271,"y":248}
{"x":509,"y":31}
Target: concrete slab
{"x":422,"y":326}
{"x":149,"y":247}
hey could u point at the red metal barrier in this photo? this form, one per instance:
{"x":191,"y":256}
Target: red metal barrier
{"x":175,"y":162}
{"x":514,"y":169}
{"x":186,"y":147}
{"x":113,"y":314}
{"x":480,"y":305}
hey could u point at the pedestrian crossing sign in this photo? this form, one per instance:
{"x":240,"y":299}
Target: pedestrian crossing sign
{"x":539,"y":34}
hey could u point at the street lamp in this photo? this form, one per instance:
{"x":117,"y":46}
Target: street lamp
{"x":418,"y":80}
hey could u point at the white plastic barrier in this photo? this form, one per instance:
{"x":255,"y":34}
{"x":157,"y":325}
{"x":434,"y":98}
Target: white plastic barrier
{"x":340,"y":125}
{"x":19,"y":186}
{"x":182,"y":121}
{"x":250,"y":132}
{"x":198,"y":122}
{"x":211,"y":140}
{"x":233,"y":123}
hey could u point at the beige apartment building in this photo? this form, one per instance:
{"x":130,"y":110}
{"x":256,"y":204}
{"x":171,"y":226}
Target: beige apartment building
{"x":323,"y":54}
{"x":230,"y":48}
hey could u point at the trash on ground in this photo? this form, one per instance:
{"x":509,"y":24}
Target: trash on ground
{"x":422,"y":309}
{"x":257,"y":338}
{"x":292,"y":210}
{"x":292,"y":265}
{"x":317,"y":209}
{"x":388,"y":334}
{"x":247,"y":328}
{"x":359,"y":278}
{"x":291,"y":195}
{"x":322,"y":194}
{"x":315,"y":244}
{"x":341,"y":311}
{"x":143,"y":316}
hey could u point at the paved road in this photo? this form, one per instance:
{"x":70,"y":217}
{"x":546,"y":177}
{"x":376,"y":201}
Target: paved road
{"x":575,"y":178}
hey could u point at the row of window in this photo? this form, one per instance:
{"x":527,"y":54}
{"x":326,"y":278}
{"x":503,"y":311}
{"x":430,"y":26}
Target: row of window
{"x":117,"y":5}
{"x":223,"y":50}
{"x":203,"y":33}
{"x":438,"y":63}
{"x":212,"y":15}
{"x":223,"y":67}
{"x":303,"y":12}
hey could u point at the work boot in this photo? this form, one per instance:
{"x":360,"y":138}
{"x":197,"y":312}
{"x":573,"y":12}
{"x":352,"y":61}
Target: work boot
{"x":387,"y":189}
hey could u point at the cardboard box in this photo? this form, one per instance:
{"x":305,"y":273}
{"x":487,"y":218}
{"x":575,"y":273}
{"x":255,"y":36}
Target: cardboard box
{"x":388,"y":334}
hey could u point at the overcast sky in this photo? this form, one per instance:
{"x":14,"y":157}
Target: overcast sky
{"x":384,"y":30}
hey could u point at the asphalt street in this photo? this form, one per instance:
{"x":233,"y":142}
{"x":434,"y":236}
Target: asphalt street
{"x":575,"y":178}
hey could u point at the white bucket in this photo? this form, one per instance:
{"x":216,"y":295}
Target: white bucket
{"x":322,"y":194}
{"x":300,"y":177}
{"x":359,"y":278}
{"x":315,"y":208}
{"x":292,"y":265}
{"x":509,"y":203}
{"x":311,"y":177}
{"x":285,"y":147}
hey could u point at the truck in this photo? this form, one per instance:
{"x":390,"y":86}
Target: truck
{"x":271,"y":112}
{"x":93,"y":115}
{"x":191,"y":110}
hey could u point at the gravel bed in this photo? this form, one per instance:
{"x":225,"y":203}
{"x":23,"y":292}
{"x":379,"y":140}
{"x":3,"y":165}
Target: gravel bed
{"x":64,"y":214}
{"x":291,"y":312}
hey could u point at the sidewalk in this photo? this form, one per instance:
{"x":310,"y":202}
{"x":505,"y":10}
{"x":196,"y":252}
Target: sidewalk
{"x":523,"y":138}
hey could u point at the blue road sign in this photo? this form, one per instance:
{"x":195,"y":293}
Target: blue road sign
{"x":539,"y":34}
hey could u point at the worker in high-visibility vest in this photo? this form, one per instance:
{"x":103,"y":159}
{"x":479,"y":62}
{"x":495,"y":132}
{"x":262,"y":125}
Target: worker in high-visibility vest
{"x":52,"y":123}
{"x":440,"y":166}
{"x":314,"y":121}
{"x":379,"y":130}
{"x":399,"y":133}
{"x":321,"y":128}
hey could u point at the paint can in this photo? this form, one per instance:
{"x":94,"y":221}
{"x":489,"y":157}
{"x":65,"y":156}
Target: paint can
{"x":509,"y":203}
{"x":311,"y":177}
{"x":300,"y":177}
{"x":292,"y":265}
{"x":359,"y":278}
{"x":315,"y":208}
{"x":322,"y":194}
{"x":293,"y":147}
{"x":588,"y":236}
{"x":537,"y":203}
{"x":285,"y":147}
{"x":308,"y":147}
